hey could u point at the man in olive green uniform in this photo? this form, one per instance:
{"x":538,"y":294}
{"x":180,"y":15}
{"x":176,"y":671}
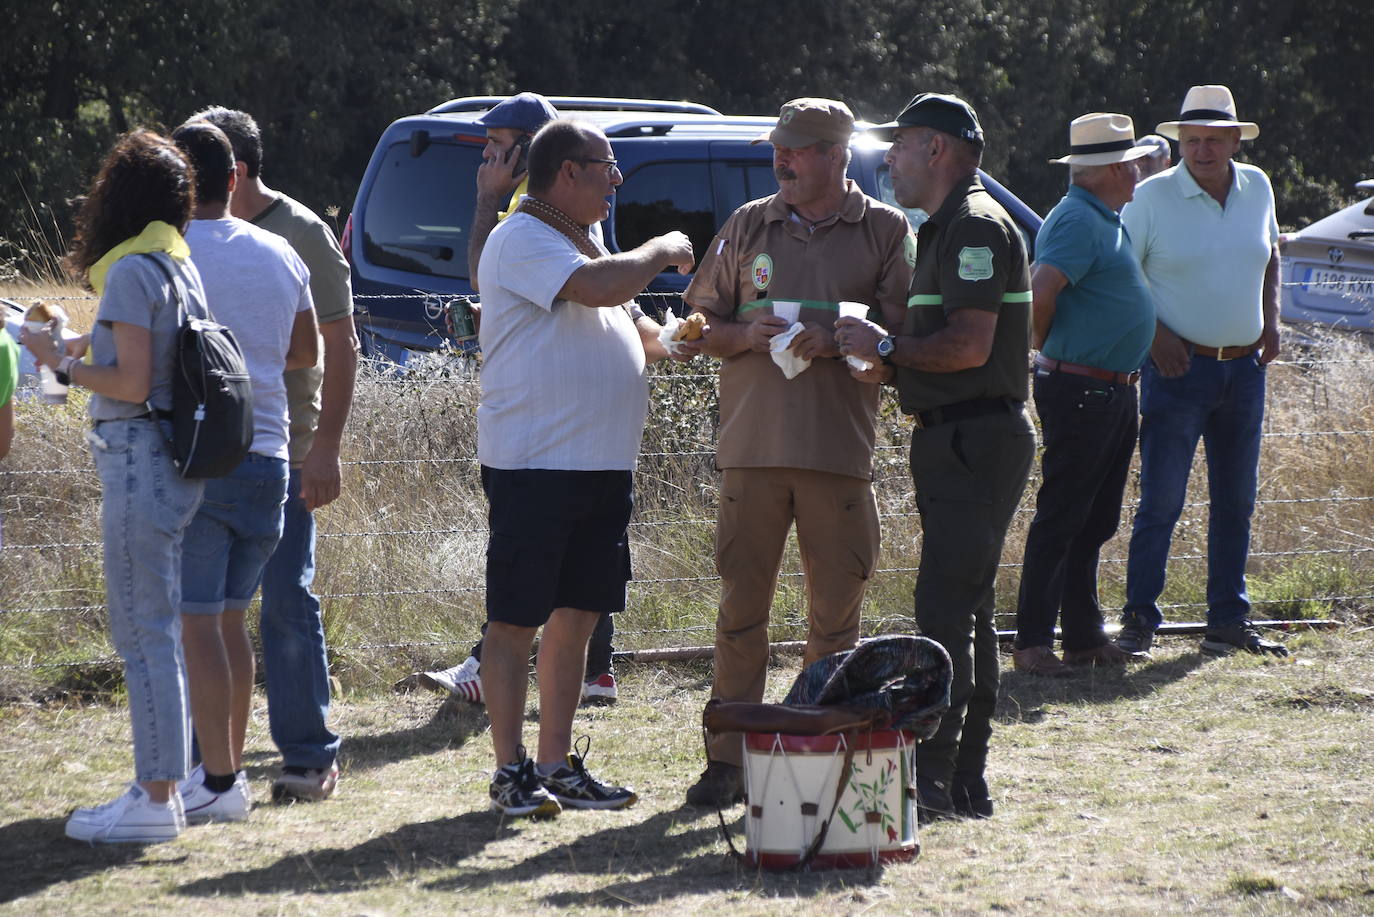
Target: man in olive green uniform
{"x":960,"y":366}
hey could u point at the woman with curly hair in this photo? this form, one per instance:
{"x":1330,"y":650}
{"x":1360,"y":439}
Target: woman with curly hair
{"x":128,"y":247}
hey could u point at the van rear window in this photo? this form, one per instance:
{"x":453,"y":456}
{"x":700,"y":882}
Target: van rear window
{"x":418,"y":212}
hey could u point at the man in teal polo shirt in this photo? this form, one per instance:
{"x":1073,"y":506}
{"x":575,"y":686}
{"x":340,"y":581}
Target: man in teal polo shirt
{"x":1093,"y":321}
{"x":1207,"y":238}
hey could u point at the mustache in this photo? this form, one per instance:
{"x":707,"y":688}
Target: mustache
{"x":782,"y":173}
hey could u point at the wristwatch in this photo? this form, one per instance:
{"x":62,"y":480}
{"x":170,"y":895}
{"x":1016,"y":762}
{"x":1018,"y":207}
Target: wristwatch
{"x":63,"y":373}
{"x":885,"y":348}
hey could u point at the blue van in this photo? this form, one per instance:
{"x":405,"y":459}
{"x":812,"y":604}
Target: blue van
{"x":686,"y":167}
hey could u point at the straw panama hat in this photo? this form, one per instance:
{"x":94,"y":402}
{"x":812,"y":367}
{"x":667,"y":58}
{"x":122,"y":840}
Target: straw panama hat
{"x":1209,"y":106}
{"x":1100,"y":139}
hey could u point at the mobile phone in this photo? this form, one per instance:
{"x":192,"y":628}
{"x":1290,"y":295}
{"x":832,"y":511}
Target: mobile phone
{"x":519,"y":150}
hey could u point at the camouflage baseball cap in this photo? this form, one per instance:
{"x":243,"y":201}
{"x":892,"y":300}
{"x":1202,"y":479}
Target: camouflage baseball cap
{"x":803,"y":122}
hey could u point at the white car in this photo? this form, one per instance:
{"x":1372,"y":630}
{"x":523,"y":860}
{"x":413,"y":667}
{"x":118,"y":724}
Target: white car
{"x":1328,"y":268}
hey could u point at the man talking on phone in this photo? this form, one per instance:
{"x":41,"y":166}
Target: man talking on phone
{"x":501,"y":181}
{"x":501,"y":178}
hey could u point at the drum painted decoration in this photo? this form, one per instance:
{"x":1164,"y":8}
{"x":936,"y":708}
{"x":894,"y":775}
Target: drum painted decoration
{"x":791,"y":782}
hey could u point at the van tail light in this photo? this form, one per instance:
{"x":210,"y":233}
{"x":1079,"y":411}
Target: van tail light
{"x":346,"y":240}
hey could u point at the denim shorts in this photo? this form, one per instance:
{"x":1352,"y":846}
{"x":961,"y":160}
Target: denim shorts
{"x":232,"y":536}
{"x":558,"y":540}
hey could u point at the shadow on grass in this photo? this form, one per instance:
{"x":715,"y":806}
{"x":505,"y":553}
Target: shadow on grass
{"x":453,"y":723}
{"x":677,"y":853}
{"x":1022,"y":697}
{"x":688,"y":873}
{"x":35,"y":854}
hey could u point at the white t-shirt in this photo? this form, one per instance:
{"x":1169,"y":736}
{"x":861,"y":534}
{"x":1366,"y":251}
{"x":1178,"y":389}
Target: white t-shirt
{"x":254,"y":283}
{"x":563,"y":385}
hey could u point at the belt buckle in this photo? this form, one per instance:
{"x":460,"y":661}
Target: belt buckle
{"x":1222,"y":357}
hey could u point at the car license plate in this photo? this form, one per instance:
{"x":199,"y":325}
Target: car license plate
{"x":1345,"y":284}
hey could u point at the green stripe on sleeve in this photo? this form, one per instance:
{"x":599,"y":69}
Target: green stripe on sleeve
{"x":935,"y":299}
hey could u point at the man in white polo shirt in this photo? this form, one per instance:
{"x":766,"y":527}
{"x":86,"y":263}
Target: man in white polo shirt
{"x":564,"y":396}
{"x":1207,"y":238}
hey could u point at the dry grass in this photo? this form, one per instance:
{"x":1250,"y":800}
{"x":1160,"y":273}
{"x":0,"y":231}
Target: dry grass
{"x":401,"y":552}
{"x":1184,"y":786}
{"x":1230,"y":787}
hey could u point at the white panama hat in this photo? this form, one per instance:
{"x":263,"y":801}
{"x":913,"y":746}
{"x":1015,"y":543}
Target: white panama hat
{"x":1209,"y":106}
{"x":1100,"y":139}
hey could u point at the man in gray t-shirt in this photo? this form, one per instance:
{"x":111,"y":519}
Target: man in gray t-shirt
{"x":294,"y":655}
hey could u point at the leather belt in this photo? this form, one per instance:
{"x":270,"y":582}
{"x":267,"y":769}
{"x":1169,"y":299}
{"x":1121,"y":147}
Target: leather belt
{"x":963,"y":410}
{"x":1092,"y":372}
{"x":1225,"y":353}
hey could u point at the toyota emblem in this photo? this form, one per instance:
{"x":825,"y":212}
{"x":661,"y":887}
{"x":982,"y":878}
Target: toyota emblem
{"x":1335,"y":254}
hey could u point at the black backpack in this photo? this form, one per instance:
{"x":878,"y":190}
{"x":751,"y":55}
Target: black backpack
{"x":212,"y":395}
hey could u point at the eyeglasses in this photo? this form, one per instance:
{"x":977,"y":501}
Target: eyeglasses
{"x":611,"y":165}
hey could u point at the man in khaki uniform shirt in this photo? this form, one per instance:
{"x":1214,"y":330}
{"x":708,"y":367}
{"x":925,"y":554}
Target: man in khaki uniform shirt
{"x":800,"y":449}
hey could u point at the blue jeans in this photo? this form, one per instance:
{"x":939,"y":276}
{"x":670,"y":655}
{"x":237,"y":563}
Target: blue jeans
{"x":144,"y":511}
{"x":294,"y":659}
{"x":232,"y":535}
{"x":1223,"y":404}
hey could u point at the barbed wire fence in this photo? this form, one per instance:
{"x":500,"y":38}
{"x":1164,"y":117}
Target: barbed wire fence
{"x":1321,"y":529}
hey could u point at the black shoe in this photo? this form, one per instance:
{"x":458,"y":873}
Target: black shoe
{"x":719,"y":786}
{"x":1223,"y":641}
{"x":969,"y":794}
{"x":515,"y":790}
{"x":933,"y":801}
{"x":1135,"y":637}
{"x":574,"y":787}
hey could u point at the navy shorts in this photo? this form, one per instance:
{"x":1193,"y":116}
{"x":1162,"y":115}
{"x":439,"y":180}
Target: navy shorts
{"x":558,"y":540}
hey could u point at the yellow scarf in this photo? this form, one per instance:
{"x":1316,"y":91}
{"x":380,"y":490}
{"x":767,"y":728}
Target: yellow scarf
{"x":157,"y":236}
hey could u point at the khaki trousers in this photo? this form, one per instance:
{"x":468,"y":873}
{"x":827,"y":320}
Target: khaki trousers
{"x":837,"y":532}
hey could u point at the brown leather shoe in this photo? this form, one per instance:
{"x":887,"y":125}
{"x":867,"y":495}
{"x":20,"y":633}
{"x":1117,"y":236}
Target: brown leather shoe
{"x":1106,"y":654}
{"x":1040,"y":661}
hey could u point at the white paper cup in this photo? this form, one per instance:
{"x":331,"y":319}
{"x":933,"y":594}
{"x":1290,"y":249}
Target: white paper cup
{"x":50,"y":391}
{"x":787,"y":311}
{"x":853,"y":310}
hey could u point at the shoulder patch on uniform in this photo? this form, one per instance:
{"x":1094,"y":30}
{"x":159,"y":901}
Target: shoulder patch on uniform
{"x":975,"y":263}
{"x":909,"y":249}
{"x":763,"y":271}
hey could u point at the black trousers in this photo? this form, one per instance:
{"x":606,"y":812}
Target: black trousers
{"x":969,"y":477}
{"x":1089,"y":429}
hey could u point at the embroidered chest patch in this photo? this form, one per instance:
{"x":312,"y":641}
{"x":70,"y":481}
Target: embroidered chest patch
{"x":762,"y":271}
{"x":909,"y":249}
{"x":975,"y":263}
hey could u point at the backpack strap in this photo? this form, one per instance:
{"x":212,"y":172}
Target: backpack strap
{"x":163,"y":261}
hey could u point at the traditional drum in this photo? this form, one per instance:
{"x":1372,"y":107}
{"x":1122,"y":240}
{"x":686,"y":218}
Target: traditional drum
{"x":792,"y":780}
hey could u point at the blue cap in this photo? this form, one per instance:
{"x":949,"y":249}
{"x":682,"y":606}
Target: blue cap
{"x":527,"y":112}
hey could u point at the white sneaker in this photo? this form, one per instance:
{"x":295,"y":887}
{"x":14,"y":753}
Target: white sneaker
{"x":460,"y":681}
{"x":600,"y":690}
{"x":312,"y":784}
{"x":131,"y":819}
{"x":204,"y":806}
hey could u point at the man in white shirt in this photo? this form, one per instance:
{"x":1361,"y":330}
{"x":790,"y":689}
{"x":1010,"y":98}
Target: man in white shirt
{"x":1206,"y":236}
{"x":564,"y":396}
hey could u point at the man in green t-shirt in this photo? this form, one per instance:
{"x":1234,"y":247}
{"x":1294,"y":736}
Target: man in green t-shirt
{"x":959,"y":364}
{"x":9,"y":379}
{"x":319,"y":397}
